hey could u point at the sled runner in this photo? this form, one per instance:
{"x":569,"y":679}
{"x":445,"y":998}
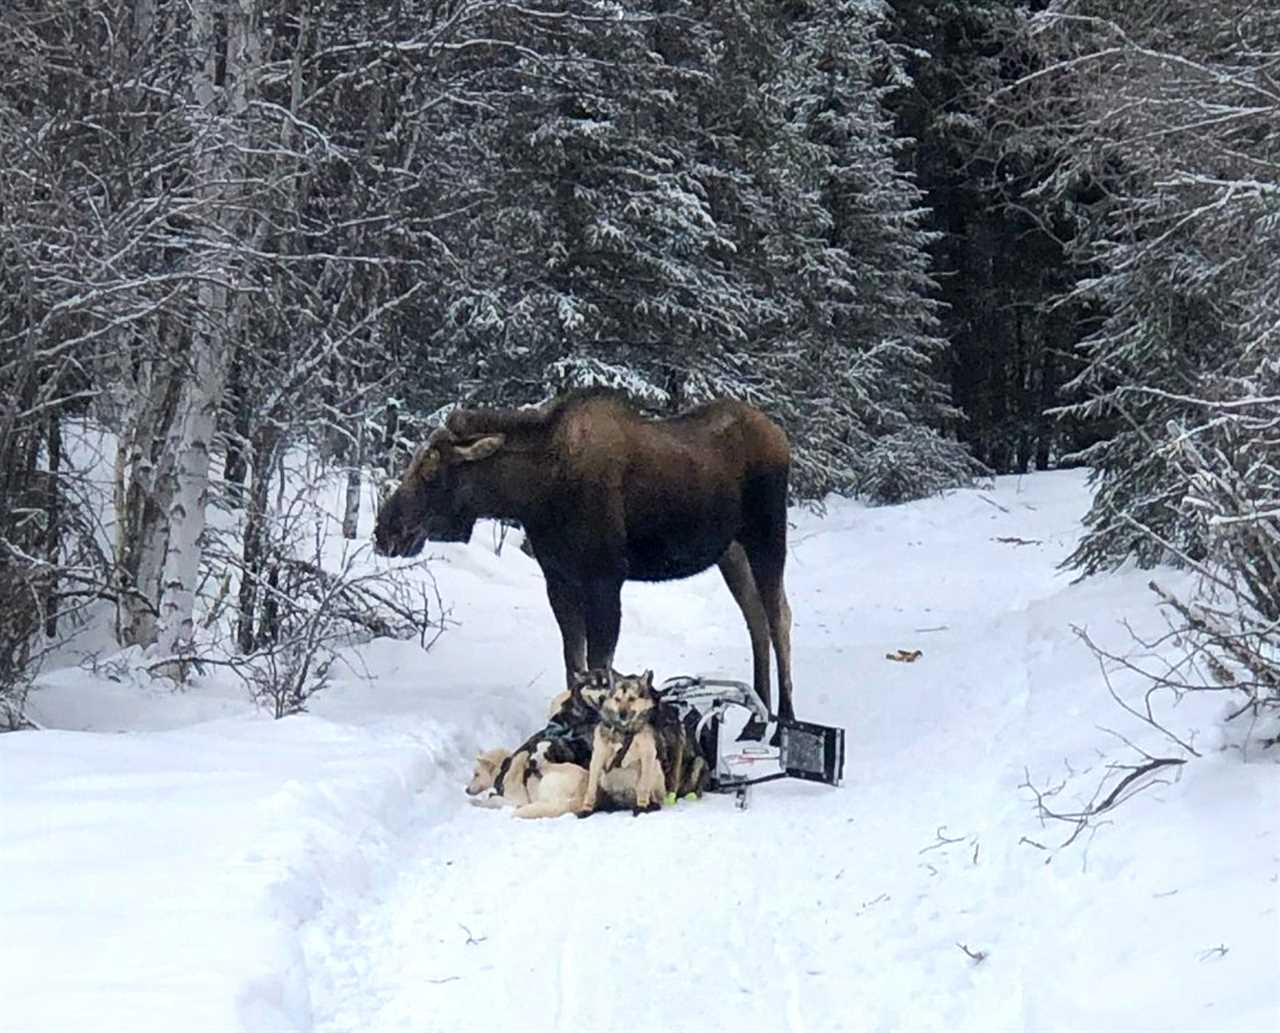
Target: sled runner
{"x":814,"y":753}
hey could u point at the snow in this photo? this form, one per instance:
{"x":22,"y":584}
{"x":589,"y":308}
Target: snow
{"x":175,"y":860}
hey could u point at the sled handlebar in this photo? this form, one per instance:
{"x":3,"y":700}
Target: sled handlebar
{"x":693,"y":689}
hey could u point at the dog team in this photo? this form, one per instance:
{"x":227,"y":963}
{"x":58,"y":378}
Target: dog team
{"x":612,"y":743}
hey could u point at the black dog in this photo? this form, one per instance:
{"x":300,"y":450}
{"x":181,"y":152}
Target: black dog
{"x":568,"y":734}
{"x":686,"y":763}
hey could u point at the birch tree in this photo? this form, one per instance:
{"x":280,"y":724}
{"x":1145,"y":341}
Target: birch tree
{"x":226,"y":62}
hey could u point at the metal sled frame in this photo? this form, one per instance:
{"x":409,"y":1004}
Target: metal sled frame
{"x":811,"y":752}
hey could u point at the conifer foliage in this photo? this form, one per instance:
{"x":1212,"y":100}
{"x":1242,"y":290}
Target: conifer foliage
{"x":703,"y":199}
{"x":1171,"y":116}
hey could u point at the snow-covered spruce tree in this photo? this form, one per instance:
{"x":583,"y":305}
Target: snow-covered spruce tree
{"x":1174,"y":115}
{"x":865,"y":330}
{"x":1169,"y":117}
{"x":598,"y":252}
{"x":678,"y":216}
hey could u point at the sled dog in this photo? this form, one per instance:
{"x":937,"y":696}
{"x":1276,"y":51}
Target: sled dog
{"x":625,"y":769}
{"x":566,"y":737}
{"x":684,"y":767}
{"x":536,"y":787}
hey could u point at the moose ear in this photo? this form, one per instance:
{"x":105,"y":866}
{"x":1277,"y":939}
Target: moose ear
{"x":481,"y":448}
{"x":648,"y":680}
{"x":425,"y":463}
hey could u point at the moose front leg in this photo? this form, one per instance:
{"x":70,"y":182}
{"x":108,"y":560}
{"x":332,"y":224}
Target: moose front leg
{"x":602,"y":610}
{"x":566,"y":604}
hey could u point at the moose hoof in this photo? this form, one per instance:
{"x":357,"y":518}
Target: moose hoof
{"x":584,"y":813}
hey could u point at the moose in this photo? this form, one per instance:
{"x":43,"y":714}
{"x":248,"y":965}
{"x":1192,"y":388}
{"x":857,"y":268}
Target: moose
{"x":605,"y":495}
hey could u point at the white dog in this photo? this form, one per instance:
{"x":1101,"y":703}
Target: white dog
{"x":535,"y":788}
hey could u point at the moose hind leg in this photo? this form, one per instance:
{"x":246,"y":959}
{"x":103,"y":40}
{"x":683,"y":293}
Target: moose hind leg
{"x":736,"y":571}
{"x":774,"y":597}
{"x":766,"y":548}
{"x":780,"y":625}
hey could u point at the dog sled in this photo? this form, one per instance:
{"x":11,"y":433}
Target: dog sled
{"x":797,"y":749}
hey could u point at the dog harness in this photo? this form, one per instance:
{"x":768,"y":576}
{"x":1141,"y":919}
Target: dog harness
{"x":573,"y":742}
{"x":621,"y":755}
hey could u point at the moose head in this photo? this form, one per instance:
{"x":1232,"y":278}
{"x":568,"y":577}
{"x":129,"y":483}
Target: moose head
{"x":435,"y":499}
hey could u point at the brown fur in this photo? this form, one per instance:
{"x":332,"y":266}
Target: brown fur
{"x":625,"y":769}
{"x":606,"y":495}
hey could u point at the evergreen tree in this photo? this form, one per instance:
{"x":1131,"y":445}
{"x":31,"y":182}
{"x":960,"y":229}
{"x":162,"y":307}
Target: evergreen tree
{"x":597,"y":252}
{"x":691,"y":206}
{"x":999,"y":257}
{"x":870,"y":327}
{"x":1171,"y":118}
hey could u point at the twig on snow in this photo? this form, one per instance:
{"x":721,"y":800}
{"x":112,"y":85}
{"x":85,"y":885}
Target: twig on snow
{"x":1085,"y":818}
{"x":1155,"y":763}
{"x":872,"y":903}
{"x":942,"y":841}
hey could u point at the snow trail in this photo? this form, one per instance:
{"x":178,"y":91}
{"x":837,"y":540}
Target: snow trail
{"x":816,"y":909}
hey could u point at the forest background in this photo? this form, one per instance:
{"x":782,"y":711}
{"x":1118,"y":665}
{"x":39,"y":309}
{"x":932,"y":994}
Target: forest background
{"x":936,"y":240}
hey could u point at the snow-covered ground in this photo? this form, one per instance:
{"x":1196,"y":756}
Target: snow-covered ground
{"x":175,"y":861}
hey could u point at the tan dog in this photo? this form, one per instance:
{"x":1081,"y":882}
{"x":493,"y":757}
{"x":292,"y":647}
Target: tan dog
{"x":485,"y":775}
{"x":625,"y":770}
{"x":535,"y":787}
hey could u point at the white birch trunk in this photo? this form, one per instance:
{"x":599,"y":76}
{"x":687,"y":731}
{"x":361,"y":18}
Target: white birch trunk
{"x":143,"y":459}
{"x":351,"y":512}
{"x":217,"y":170}
{"x":197,"y":422}
{"x":143,"y":491}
